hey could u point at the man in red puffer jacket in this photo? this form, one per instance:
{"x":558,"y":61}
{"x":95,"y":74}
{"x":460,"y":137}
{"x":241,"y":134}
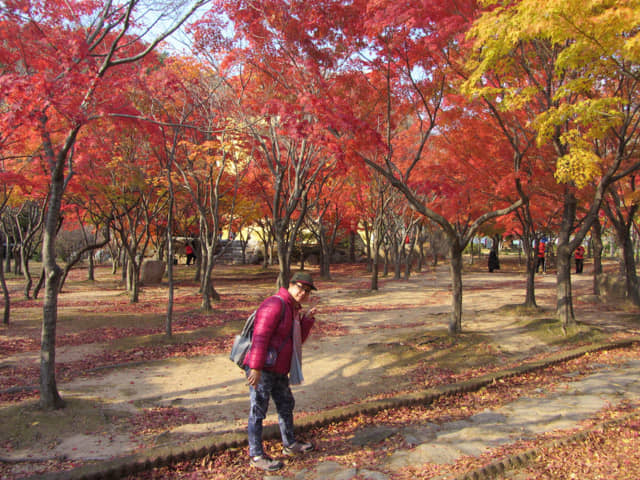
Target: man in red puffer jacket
{"x":274,"y":361}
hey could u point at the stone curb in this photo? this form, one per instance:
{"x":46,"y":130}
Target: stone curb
{"x":167,"y":455}
{"x":518,"y":460}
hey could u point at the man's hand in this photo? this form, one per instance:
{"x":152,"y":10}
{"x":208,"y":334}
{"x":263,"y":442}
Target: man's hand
{"x":254,"y":377}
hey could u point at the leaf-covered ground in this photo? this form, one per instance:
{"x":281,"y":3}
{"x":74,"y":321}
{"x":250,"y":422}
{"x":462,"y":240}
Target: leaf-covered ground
{"x":97,"y":320}
{"x":608,"y":454}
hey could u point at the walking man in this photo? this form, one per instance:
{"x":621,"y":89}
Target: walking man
{"x":579,"y":257}
{"x":191,"y":256}
{"x":274,"y":362}
{"x":541,"y":251}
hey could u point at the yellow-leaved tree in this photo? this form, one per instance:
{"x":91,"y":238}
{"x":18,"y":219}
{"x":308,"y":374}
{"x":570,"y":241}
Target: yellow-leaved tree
{"x":573,"y":66}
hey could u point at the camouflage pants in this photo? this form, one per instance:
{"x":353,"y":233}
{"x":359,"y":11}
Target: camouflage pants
{"x":275,"y":386}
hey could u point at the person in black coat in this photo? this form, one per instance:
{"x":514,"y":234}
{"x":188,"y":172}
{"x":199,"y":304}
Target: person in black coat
{"x":494,"y":263}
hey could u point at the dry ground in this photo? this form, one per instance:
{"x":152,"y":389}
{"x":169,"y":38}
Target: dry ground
{"x":379,"y":343}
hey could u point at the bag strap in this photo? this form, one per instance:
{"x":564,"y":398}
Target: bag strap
{"x":247,"y":330}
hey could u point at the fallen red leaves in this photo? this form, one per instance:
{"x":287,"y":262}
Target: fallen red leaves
{"x":11,"y":346}
{"x":19,"y":340}
{"x":28,"y":376}
{"x":23,"y":376}
{"x":601,"y":454}
{"x":612,"y":453}
{"x":160,"y":419}
{"x":334,"y":440}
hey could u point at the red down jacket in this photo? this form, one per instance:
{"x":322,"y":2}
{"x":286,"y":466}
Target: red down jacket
{"x":269,"y":331}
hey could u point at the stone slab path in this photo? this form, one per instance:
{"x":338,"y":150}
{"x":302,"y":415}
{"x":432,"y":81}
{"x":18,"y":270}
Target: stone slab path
{"x":523,"y":419}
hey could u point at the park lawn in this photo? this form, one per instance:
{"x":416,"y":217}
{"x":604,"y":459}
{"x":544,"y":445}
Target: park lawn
{"x":98,"y":320}
{"x":99,"y":312}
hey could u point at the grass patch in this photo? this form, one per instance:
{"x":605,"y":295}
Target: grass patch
{"x":551,"y":332}
{"x":463,"y":351}
{"x":455,"y":353}
{"x":27,"y":425}
{"x":632,"y":319}
{"x":252,"y":273}
{"x":519,"y":310}
{"x":361,"y":293}
{"x":401,"y":354}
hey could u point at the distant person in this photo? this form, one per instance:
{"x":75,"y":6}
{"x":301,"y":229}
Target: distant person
{"x":494,"y":262}
{"x":279,"y":333}
{"x":191,"y":256}
{"x":540,"y":253}
{"x":579,"y":258}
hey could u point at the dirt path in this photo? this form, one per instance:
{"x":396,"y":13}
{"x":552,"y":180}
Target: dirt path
{"x":337,"y":370}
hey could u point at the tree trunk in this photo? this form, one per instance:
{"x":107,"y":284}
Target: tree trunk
{"x":7,"y":256}
{"x":5,"y":295}
{"x":284,"y":262}
{"x":134,"y":280}
{"x":597,"y":248}
{"x":385,"y":265}
{"x":631,"y":278}
{"x":209,"y":293}
{"x":398,"y":262}
{"x":530,"y":295}
{"x":124,"y":272}
{"x":36,"y":290}
{"x":265,"y":258}
{"x":564,"y":305}
{"x":243,"y":250}
{"x":272,"y":254}
{"x":398,"y":258}
{"x":455,"y":324}
{"x":302,"y":259}
{"x":530,"y":255}
{"x":49,"y":396}
{"x":16,"y":263}
{"x":352,"y":246}
{"x":409,"y":257}
{"x":28,"y":281}
{"x":90,"y":270}
{"x":368,"y":250}
{"x":421,"y":252}
{"x":325,"y":257}
{"x":622,"y":220}
{"x":201,"y":257}
{"x":168,"y":324}
{"x":325,"y":265}
{"x":374,"y":270}
{"x":205,"y":304}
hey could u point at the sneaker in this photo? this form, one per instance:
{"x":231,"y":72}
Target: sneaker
{"x":265,"y":463}
{"x":297,"y":448}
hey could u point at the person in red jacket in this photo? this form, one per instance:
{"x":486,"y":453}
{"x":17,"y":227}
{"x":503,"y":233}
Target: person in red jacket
{"x":274,"y":362}
{"x":540,"y":254}
{"x":579,"y":257}
{"x":190,"y":253}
